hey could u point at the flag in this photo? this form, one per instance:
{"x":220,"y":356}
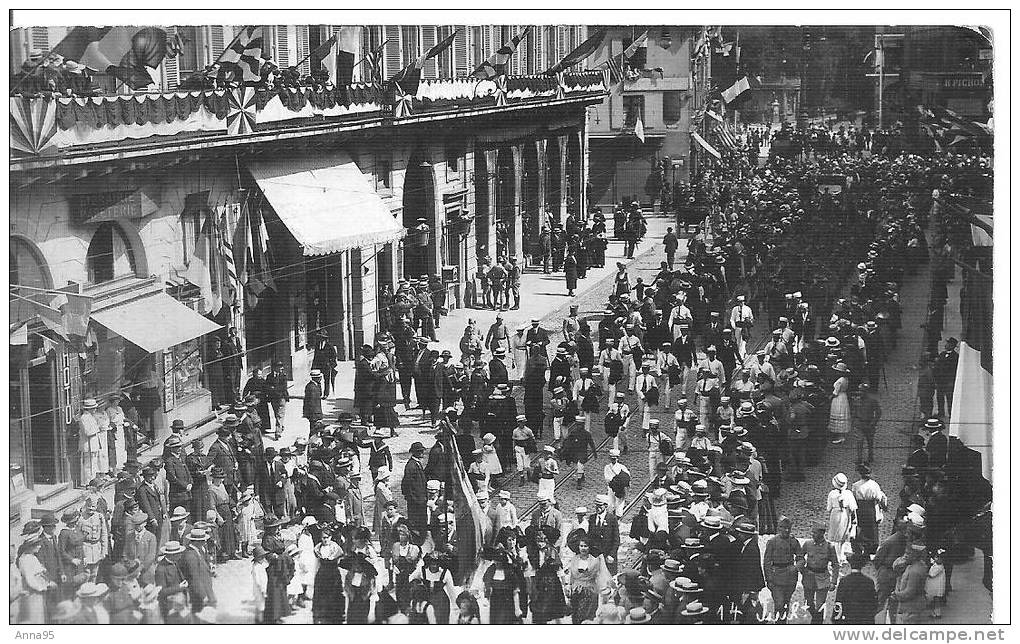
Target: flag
{"x":244,"y":55}
{"x":74,"y":311}
{"x":409,"y":77}
{"x":639,"y":130}
{"x":323,"y":51}
{"x":96,"y":47}
{"x":742,"y":84}
{"x":970,"y":419}
{"x":473,"y":526}
{"x":639,"y":42}
{"x":344,"y":67}
{"x":373,"y":60}
{"x":226,"y":248}
{"x":495,"y":65}
{"x":199,"y":271}
{"x":582,"y":51}
{"x":133,"y":77}
{"x":615,"y":70}
{"x":266,"y":274}
{"x":705,"y":145}
{"x":727,"y":140}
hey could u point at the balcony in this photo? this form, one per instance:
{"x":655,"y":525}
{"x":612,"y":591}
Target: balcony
{"x":57,"y":126}
{"x":52,"y":125}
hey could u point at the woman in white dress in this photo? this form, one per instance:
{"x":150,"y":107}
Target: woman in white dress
{"x":118,"y":428}
{"x":519,"y":354}
{"x":842,"y":508}
{"x":839,"y":412}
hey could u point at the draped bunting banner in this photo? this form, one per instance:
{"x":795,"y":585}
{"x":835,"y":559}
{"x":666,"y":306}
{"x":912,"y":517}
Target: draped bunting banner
{"x":241,"y":111}
{"x":33,"y":124}
{"x":501,"y":90}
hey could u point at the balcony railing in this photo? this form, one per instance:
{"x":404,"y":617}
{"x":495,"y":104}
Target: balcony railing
{"x":437,"y":95}
{"x":42,"y":126}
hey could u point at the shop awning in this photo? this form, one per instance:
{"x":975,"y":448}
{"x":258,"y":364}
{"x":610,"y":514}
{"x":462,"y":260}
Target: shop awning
{"x":326,"y":203}
{"x":705,"y":144}
{"x":154,"y":322}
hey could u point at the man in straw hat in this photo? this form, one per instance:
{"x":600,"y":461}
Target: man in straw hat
{"x":91,"y":444}
{"x":168,"y":576}
{"x":194,"y":567}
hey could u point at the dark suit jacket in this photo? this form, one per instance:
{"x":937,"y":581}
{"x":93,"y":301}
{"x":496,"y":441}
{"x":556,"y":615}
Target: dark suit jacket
{"x":144,"y":548}
{"x":168,"y":577}
{"x":195,"y":568}
{"x":413,"y":487}
{"x":605,"y":539}
{"x":498,"y":373}
{"x":49,"y":557}
{"x":221,"y":456}
{"x":177,"y":475}
{"x":276,"y":387}
{"x":313,"y":401}
{"x":151,"y":503}
{"x":856,"y":600}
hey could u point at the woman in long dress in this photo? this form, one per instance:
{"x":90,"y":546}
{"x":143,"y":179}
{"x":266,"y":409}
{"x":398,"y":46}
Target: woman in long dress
{"x":839,"y":412}
{"x":439,"y":589}
{"x":588,"y":575}
{"x":842,"y":508}
{"x":871,"y":503}
{"x":519,"y":353}
{"x":548,"y":603}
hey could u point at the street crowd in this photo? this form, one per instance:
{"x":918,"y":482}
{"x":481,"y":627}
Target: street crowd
{"x":761,"y":373}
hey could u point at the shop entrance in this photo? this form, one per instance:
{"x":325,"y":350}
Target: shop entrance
{"x":40,"y":403}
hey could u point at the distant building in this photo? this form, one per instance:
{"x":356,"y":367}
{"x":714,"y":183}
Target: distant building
{"x":659,"y":93}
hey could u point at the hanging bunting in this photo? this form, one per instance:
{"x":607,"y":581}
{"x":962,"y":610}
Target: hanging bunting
{"x":241,"y":111}
{"x":501,"y":90}
{"x":402,"y":105}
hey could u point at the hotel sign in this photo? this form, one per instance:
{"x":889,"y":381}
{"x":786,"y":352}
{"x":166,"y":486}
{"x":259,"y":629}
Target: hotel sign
{"x":963,"y":81}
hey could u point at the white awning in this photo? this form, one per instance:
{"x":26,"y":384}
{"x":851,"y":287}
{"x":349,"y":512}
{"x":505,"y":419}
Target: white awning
{"x":705,"y":144}
{"x":326,"y":202}
{"x":154,"y":322}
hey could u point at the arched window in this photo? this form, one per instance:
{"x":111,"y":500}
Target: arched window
{"x":110,"y":255}
{"x":27,"y":269}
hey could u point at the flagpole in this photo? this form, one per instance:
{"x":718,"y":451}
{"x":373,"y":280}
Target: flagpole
{"x":379,"y":48}
{"x":880,"y":54}
{"x":312,"y":51}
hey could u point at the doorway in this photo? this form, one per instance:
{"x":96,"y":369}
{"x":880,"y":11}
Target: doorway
{"x":42,"y":410}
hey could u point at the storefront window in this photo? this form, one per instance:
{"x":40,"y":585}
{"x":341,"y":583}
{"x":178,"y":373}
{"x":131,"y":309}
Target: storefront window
{"x":187,"y":370}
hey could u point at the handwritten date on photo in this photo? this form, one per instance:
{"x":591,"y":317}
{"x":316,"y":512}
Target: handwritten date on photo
{"x":34,"y":635}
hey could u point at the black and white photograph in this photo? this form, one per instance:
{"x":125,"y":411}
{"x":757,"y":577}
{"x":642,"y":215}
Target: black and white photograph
{"x":508,"y":324}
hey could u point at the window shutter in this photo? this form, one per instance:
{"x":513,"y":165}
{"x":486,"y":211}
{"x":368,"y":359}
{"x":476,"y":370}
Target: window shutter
{"x":283,"y":57}
{"x":41,"y":38}
{"x":444,"y":62}
{"x":217,"y":40}
{"x":475,"y":56}
{"x":428,"y":40}
{"x":302,"y":48}
{"x":169,"y":69}
{"x":460,"y":52}
{"x":391,"y":52}
{"x":538,"y":50}
{"x":550,"y":48}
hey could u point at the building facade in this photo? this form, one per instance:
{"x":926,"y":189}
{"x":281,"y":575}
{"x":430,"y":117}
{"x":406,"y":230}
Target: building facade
{"x":658,"y":92}
{"x":171,"y":217}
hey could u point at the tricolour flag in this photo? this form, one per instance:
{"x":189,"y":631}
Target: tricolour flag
{"x":96,"y":47}
{"x":410,"y":76}
{"x":582,"y":51}
{"x":244,"y":55}
{"x":495,"y":65}
{"x":472,"y":524}
{"x":731,"y":93}
{"x":373,"y":61}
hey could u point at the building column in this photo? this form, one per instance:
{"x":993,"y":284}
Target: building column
{"x":518,"y":245}
{"x":582,"y":135}
{"x":542,"y":161}
{"x":561,"y":142}
{"x":490,"y":201}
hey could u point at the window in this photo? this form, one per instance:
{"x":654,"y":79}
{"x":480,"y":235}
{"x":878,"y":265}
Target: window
{"x":444,"y":61}
{"x":639,"y":58}
{"x":383,"y":174}
{"x":633,"y":109}
{"x":672,"y":102}
{"x":109,"y":256}
{"x":27,"y":268}
{"x":453,"y":162}
{"x":410,"y":45}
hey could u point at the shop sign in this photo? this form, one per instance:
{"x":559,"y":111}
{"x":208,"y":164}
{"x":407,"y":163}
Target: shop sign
{"x":111,"y":206}
{"x":963,"y":81}
{"x":169,"y":382}
{"x":65,"y":383}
